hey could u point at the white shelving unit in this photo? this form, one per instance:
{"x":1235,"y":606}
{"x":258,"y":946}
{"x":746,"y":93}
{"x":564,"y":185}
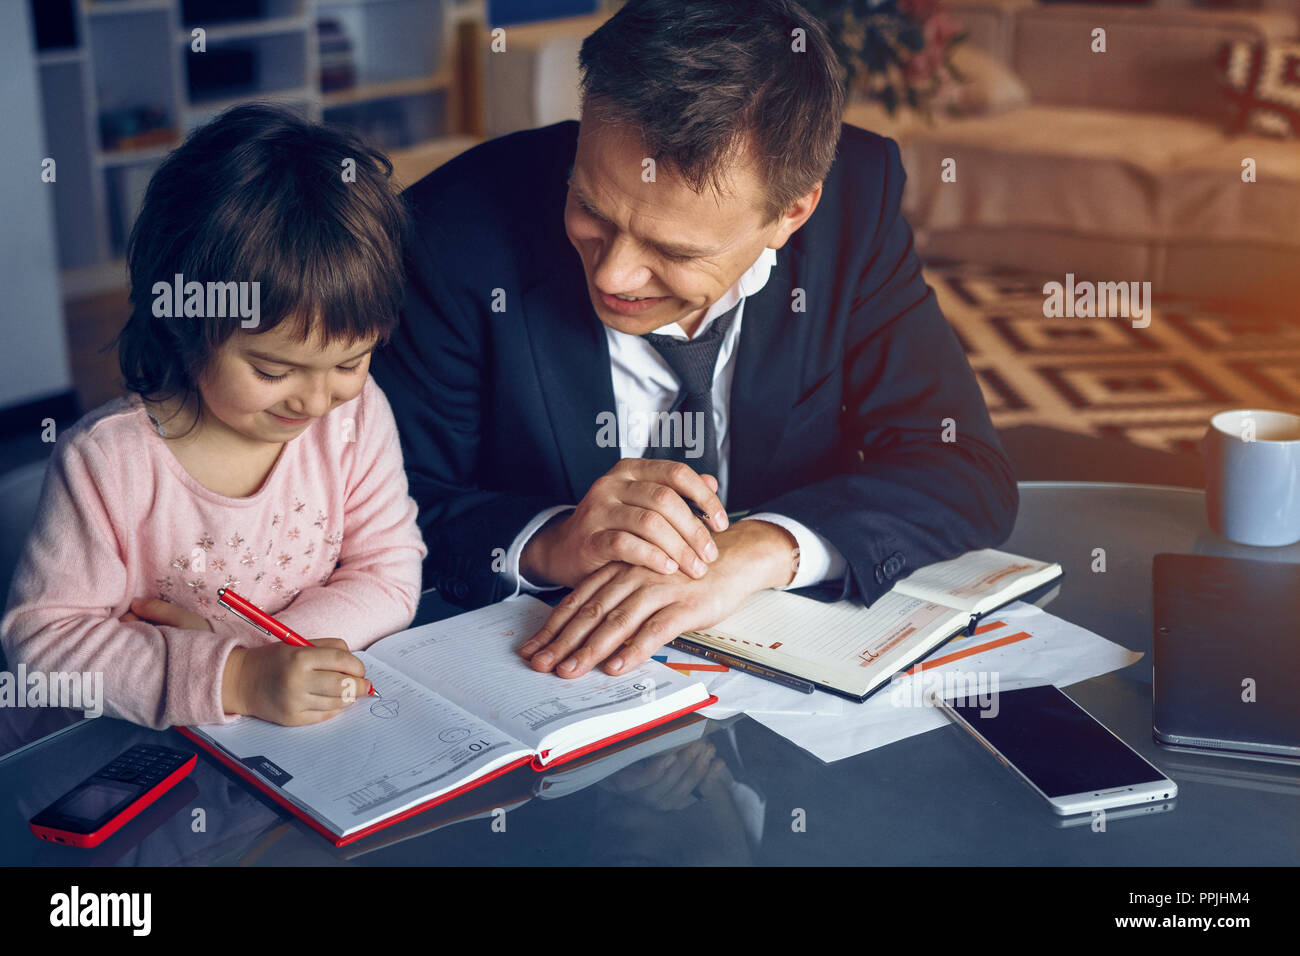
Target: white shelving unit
{"x":135,"y":55}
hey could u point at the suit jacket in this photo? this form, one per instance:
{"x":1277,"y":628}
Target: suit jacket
{"x":500,"y":367}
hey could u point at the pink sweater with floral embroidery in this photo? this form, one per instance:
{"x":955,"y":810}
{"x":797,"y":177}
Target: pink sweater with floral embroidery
{"x":328,"y":545}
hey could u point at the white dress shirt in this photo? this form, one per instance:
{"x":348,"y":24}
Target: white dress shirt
{"x":645,"y":385}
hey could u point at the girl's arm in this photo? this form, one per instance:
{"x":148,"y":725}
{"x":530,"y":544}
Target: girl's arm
{"x":374,"y":590}
{"x":71,"y":587}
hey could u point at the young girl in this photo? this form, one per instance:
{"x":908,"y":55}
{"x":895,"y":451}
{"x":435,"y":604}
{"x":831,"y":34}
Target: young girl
{"x":253,"y":450}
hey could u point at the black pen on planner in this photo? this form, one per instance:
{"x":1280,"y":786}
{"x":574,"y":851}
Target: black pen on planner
{"x":748,"y":667}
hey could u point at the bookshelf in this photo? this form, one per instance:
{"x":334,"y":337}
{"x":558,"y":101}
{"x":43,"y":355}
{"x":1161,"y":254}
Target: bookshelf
{"x":121,"y":85}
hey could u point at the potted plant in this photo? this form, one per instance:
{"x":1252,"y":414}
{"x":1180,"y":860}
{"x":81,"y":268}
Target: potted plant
{"x":898,"y":52}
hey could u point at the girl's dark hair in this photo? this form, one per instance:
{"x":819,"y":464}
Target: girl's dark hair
{"x":699,"y":78}
{"x":261,"y":195}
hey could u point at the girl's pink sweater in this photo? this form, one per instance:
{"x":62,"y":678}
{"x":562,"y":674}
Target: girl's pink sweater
{"x":328,"y":545}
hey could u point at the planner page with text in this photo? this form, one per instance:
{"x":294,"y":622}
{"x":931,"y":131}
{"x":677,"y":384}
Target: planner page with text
{"x":472,"y":660}
{"x":978,"y":580}
{"x":842,"y":645}
{"x":376,"y":758}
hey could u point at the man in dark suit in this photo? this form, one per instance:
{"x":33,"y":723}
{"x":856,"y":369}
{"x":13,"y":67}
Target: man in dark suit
{"x":702,"y":299}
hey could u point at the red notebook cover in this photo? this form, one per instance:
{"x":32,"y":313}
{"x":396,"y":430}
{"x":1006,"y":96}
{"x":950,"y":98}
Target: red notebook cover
{"x":338,"y":841}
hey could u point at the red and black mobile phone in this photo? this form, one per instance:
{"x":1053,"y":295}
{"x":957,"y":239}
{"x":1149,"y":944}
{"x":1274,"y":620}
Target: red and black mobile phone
{"x":99,"y":806}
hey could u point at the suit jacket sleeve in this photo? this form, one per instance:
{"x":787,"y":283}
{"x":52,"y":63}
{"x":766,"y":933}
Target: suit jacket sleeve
{"x":923,"y":476}
{"x":433,"y":376}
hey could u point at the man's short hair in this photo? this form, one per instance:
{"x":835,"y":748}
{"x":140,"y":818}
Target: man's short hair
{"x":703,"y":79}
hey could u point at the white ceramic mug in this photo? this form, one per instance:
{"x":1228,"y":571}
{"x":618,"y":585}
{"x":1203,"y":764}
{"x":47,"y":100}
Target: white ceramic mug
{"x":1252,"y":476}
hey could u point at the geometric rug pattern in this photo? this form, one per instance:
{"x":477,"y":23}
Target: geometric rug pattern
{"x":1156,"y":386}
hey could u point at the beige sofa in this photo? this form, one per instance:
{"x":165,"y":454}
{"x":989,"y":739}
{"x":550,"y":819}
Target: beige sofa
{"x":1119,"y":166}
{"x":1111,"y":165}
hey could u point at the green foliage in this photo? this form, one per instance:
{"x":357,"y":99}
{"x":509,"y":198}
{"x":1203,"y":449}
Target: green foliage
{"x":887,"y":52}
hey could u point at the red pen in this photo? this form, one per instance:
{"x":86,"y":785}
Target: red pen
{"x":265,"y":623}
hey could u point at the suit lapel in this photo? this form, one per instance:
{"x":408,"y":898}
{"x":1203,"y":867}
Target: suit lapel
{"x":571,"y":355}
{"x":569,"y":349}
{"x":766,"y":381}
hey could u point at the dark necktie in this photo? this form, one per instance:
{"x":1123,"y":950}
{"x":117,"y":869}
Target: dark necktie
{"x":693,"y":361}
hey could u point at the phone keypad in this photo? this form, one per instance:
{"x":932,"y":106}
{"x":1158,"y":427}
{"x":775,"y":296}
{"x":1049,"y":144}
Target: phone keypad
{"x":144,"y":765}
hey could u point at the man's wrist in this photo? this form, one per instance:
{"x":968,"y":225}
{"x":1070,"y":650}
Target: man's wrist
{"x":768,"y":553}
{"x":535,"y":559}
{"x":819,"y":559}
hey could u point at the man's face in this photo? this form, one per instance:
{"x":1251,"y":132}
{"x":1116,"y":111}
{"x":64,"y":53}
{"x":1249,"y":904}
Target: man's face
{"x":675,"y":250}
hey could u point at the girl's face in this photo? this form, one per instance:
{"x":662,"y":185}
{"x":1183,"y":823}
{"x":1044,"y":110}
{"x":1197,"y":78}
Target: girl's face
{"x":270,"y":388}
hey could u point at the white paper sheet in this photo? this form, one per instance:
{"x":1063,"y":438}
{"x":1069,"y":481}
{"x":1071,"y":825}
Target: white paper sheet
{"x":1055,"y":651}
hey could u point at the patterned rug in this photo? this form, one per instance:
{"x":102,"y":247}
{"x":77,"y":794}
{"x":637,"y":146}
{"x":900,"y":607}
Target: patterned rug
{"x":1156,"y":386}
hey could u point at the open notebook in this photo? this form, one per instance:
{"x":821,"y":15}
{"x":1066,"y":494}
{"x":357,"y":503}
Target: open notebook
{"x":459,"y":708}
{"x":853,"y":650}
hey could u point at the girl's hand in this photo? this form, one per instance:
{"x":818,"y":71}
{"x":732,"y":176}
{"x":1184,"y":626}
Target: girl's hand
{"x":293,"y":685}
{"x":164,"y":612}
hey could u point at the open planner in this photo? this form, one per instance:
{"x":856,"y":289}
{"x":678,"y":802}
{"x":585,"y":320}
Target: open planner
{"x":852,"y":650}
{"x":459,"y":708}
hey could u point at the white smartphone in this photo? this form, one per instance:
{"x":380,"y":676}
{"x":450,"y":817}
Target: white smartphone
{"x":1059,"y":749}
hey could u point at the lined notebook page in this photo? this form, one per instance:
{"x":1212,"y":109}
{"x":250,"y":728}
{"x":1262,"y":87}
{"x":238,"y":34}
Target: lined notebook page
{"x":471,"y":659}
{"x":965,"y":581}
{"x":375,"y":758}
{"x":772,"y":625}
